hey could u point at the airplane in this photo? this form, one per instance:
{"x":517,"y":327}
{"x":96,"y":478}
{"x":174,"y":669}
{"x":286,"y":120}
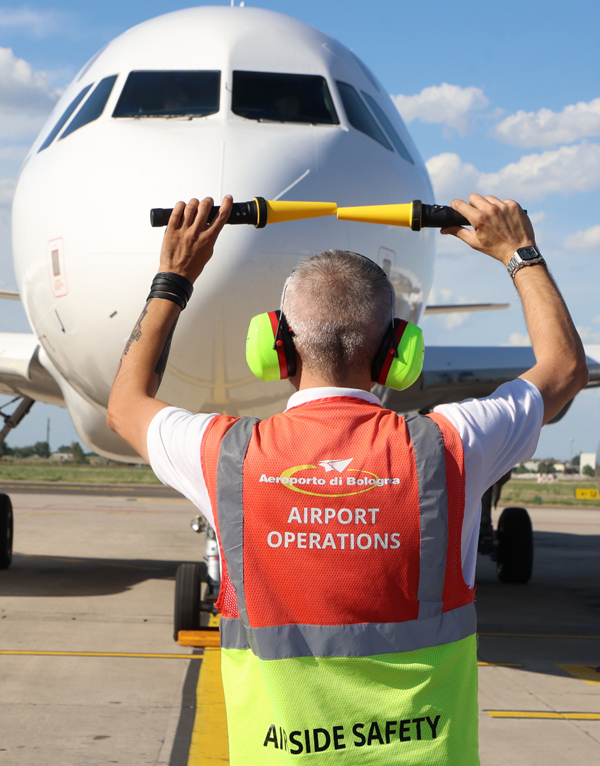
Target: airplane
{"x":202,"y":102}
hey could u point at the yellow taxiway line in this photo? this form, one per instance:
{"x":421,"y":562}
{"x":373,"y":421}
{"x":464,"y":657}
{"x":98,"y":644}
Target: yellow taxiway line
{"x":590,"y":674}
{"x":537,"y":635}
{"x":544,"y":714}
{"x":209,"y":744}
{"x":140,"y":655}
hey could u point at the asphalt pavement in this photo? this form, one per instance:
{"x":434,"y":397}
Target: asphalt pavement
{"x":89,"y":673}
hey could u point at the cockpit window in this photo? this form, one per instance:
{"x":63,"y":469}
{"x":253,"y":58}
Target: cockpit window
{"x":93,"y":107}
{"x":64,"y":117}
{"x":169,"y":94}
{"x":385,"y":123}
{"x":276,"y":97}
{"x":359,"y":116}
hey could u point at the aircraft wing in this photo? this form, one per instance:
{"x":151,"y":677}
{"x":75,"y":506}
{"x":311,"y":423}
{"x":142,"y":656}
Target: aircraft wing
{"x":454,"y":373}
{"x":21,"y":371}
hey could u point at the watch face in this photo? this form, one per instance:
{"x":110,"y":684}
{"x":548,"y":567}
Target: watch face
{"x":528,"y":253}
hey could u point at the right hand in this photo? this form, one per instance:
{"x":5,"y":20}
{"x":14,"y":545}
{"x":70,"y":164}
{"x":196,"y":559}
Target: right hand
{"x":500,"y":227}
{"x":189,"y":240}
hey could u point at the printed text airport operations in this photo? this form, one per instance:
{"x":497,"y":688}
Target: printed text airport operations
{"x":357,"y":539}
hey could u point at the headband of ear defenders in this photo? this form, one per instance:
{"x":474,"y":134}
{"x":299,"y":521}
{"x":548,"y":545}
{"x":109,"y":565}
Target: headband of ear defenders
{"x":271,"y":355}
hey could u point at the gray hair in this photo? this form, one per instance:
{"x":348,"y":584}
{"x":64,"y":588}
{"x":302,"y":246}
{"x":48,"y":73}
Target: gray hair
{"x":338,"y":305}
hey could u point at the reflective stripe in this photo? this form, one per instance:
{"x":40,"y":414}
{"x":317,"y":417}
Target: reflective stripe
{"x":365,"y":640}
{"x":430,"y":459}
{"x":230,"y":507}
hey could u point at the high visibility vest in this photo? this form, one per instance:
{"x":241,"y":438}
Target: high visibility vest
{"x":347,"y":630}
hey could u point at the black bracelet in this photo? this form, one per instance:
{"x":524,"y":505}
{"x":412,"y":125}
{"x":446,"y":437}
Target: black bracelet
{"x":167,"y":296}
{"x":178,"y":280}
{"x":169,"y":287}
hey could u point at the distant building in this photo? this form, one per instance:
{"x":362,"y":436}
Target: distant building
{"x":587,"y":458}
{"x":62,"y":457}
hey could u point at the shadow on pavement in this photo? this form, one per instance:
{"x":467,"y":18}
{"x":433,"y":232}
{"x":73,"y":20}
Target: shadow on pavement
{"x":56,"y":576}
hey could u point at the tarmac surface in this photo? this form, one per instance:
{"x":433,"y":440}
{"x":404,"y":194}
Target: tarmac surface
{"x":89,"y":672}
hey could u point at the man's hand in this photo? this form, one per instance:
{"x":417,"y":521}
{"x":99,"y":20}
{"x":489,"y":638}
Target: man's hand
{"x":500,"y":227}
{"x":189,"y":240}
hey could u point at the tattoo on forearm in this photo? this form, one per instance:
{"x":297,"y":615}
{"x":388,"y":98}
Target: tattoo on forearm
{"x":136,"y":333}
{"x":161,"y":364}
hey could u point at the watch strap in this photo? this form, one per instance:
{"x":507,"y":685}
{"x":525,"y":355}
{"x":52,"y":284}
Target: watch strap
{"x":517,"y":262}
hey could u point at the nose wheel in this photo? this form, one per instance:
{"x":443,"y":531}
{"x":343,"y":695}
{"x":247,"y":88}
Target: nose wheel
{"x":511,"y":544}
{"x":6,"y":531}
{"x":188,"y":590}
{"x":514,"y":557}
{"x":197,"y":587}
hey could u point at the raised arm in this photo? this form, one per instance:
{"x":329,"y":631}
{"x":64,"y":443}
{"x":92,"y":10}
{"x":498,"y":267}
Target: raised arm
{"x":500,"y":228}
{"x":187,"y":248}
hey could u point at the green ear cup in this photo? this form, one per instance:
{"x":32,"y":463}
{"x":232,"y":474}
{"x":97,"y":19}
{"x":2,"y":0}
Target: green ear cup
{"x":262,"y":358}
{"x":406,"y":368}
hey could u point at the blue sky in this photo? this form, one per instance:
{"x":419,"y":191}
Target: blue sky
{"x":500,"y":98}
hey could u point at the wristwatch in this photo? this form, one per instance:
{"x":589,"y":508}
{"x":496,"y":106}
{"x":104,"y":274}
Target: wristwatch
{"x":524,"y":256}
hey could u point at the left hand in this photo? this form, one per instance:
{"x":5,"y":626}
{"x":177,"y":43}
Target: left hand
{"x":189,"y":241}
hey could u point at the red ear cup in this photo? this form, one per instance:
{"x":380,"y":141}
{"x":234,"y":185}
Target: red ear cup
{"x":387,"y":351}
{"x":284,"y":345}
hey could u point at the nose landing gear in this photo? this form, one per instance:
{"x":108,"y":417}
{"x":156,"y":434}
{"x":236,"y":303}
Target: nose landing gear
{"x":197,"y":586}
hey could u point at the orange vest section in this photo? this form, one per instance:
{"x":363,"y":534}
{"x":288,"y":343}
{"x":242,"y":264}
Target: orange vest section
{"x":340,"y":538}
{"x":331,"y":516}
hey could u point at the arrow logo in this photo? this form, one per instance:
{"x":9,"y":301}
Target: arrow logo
{"x":335,"y":465}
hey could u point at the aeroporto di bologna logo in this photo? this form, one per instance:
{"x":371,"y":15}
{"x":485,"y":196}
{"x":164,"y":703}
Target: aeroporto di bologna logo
{"x":301,"y":478}
{"x":334,"y":525}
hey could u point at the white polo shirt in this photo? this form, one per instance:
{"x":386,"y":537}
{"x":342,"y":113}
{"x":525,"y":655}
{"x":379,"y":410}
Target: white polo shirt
{"x":496,"y":432}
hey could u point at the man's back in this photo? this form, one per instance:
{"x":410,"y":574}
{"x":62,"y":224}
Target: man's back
{"x":352,"y":626}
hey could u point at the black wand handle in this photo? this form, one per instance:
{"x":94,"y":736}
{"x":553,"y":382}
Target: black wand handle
{"x":242,"y":212}
{"x":440,"y":216}
{"x":436,"y":216}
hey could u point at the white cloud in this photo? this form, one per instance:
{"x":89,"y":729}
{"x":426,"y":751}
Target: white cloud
{"x":7,"y":190}
{"x":34,"y":22}
{"x":537,"y":217}
{"x":26,"y":98}
{"x":451,"y":177}
{"x":546,"y":128}
{"x":518,"y":339}
{"x":589,"y":336}
{"x":21,"y":87}
{"x":562,"y":171}
{"x":448,"y":105}
{"x":447,"y":297}
{"x":588,"y":239}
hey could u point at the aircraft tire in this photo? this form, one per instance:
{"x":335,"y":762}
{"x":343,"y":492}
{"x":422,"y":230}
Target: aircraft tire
{"x":515,"y":546}
{"x":6,"y":531}
{"x":188,"y":586}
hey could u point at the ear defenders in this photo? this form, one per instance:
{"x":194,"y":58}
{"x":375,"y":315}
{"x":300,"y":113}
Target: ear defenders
{"x":399,"y":358}
{"x":270,"y":351}
{"x":271,"y":355}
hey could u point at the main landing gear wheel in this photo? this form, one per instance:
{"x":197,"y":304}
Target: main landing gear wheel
{"x":188,"y":588}
{"x":515,"y":546}
{"x":6,"y":531}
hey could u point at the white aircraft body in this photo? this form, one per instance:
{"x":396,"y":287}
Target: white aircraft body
{"x":85,"y":253}
{"x":203,"y":102}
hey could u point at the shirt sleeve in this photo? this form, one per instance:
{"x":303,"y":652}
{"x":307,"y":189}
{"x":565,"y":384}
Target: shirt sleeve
{"x":174,"y":440}
{"x":497,"y":433}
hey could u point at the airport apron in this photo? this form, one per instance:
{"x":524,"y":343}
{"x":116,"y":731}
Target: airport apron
{"x":347,"y":630}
